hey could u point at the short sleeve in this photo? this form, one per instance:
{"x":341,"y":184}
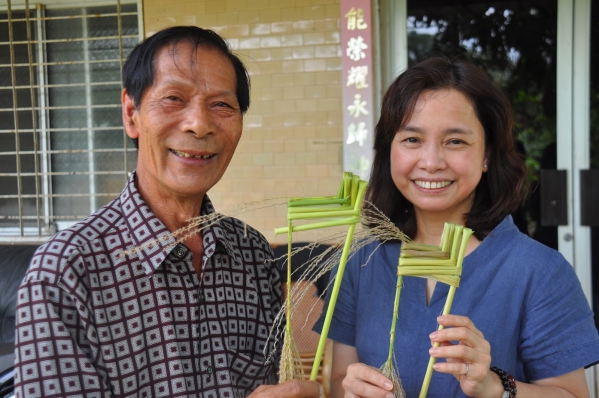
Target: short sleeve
{"x":558,"y":332}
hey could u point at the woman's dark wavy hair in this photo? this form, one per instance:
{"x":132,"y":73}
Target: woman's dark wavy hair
{"x":138,"y":70}
{"x":501,"y":189}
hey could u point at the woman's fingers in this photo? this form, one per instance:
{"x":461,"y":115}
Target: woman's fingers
{"x":466,"y":352}
{"x":366,"y":382}
{"x":290,"y":389}
{"x":460,"y":329}
{"x":457,"y":321}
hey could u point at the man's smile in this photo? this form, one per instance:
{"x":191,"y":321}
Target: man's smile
{"x":187,"y":155}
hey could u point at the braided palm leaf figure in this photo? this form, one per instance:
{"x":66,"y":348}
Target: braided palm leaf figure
{"x":441,"y":263}
{"x":342,"y":209}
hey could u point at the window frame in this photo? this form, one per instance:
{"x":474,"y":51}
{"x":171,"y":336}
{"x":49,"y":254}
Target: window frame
{"x":48,"y":223}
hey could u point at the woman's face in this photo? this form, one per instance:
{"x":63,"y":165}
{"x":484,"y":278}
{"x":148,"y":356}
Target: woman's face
{"x":438,"y":158}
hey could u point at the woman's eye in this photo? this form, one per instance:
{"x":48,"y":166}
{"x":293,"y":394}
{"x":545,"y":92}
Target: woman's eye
{"x":411,"y":140}
{"x":172,"y":98}
{"x":455,"y":142}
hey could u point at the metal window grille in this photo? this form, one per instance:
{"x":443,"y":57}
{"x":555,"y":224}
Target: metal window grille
{"x":63,"y":151}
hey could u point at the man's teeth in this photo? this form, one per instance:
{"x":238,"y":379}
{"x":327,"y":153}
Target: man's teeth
{"x":187,"y":155}
{"x":432,"y":184}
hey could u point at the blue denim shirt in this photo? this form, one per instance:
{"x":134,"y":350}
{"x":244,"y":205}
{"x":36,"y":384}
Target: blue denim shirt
{"x":523,"y":296}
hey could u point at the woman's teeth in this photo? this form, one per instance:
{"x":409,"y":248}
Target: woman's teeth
{"x":432,"y":184}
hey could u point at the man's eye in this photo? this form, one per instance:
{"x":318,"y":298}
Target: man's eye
{"x":223,"y":104}
{"x":172,"y":98}
{"x":455,"y":142}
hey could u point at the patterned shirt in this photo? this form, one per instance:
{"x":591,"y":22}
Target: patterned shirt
{"x":94,"y":322}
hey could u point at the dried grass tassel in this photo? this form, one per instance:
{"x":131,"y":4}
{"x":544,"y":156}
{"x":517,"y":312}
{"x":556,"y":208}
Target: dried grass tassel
{"x":291,"y":363}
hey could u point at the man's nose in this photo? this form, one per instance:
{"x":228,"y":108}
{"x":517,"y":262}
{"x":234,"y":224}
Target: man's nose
{"x":198,"y":119}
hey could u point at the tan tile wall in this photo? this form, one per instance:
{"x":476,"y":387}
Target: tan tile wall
{"x":292,"y":140}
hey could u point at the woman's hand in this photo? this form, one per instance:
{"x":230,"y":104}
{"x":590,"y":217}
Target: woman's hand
{"x":366,"y":382}
{"x":290,"y":389}
{"x":352,"y":379}
{"x":469,"y":360}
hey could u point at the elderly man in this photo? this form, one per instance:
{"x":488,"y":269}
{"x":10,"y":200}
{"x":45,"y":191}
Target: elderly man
{"x":96,"y":319}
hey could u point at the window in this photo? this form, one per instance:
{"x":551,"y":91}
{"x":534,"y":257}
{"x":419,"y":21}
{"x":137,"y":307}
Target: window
{"x":63,"y":151}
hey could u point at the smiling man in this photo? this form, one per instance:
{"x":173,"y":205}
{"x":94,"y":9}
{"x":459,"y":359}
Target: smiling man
{"x":186,"y":319}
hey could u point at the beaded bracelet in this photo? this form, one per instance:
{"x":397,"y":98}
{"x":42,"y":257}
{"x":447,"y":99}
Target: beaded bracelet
{"x":508,"y":381}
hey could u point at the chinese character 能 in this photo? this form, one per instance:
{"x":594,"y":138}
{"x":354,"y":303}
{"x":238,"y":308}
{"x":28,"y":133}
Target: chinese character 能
{"x":355,"y":19}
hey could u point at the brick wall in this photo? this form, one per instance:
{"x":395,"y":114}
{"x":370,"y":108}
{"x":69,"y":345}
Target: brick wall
{"x":292,"y":139}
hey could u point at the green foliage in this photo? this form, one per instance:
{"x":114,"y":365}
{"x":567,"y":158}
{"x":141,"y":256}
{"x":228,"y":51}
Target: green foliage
{"x":533,"y":128}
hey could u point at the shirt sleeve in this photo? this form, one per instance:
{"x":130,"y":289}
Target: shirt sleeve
{"x":53,"y":352}
{"x":559,"y":335}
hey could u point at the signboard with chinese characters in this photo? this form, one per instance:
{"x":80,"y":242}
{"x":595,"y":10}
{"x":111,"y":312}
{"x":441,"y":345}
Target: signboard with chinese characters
{"x":357,"y":82}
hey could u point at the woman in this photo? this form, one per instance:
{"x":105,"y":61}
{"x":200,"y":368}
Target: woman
{"x":445,"y":152}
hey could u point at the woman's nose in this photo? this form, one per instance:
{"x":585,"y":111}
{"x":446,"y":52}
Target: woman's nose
{"x":432,"y":158}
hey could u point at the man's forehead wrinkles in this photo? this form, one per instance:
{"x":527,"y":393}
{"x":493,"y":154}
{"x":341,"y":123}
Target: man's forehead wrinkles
{"x":196,"y":74}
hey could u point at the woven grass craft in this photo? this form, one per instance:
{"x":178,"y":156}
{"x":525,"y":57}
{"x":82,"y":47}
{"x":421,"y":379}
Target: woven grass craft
{"x":341,"y":209}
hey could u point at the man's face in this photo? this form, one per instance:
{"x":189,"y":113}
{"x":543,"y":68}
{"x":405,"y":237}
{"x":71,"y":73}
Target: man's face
{"x":188,"y":124}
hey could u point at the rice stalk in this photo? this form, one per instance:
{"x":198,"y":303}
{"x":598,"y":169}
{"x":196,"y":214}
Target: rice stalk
{"x":388,"y":369}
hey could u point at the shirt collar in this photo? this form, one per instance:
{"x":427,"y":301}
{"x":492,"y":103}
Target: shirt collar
{"x":153,"y":240}
{"x":149,"y":236}
{"x":222,"y":232}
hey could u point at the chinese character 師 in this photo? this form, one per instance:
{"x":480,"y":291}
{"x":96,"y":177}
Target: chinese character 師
{"x":357,"y":133}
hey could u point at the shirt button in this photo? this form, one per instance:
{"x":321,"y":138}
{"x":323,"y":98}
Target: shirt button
{"x":209,"y":370}
{"x":179,"y":252}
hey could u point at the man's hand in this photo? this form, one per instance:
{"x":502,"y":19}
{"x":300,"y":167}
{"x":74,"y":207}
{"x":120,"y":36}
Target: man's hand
{"x":290,"y":389}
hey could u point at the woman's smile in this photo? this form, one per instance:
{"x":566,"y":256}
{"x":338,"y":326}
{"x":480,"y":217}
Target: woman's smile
{"x":437,"y":157}
{"x":432,"y":184}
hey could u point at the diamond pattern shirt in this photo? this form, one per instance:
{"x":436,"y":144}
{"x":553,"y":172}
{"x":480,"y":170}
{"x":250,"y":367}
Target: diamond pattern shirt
{"x":94,"y":322}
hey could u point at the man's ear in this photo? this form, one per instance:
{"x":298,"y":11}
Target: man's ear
{"x":129,"y":114}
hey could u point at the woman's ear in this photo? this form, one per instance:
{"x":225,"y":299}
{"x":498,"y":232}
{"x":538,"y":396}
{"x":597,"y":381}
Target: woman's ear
{"x":486,"y":162}
{"x":129,"y":113}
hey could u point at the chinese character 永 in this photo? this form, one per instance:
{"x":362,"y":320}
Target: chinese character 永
{"x":358,"y":107}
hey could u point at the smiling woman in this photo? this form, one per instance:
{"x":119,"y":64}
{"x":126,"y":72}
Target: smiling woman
{"x":438,"y":157}
{"x":445,"y":152}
